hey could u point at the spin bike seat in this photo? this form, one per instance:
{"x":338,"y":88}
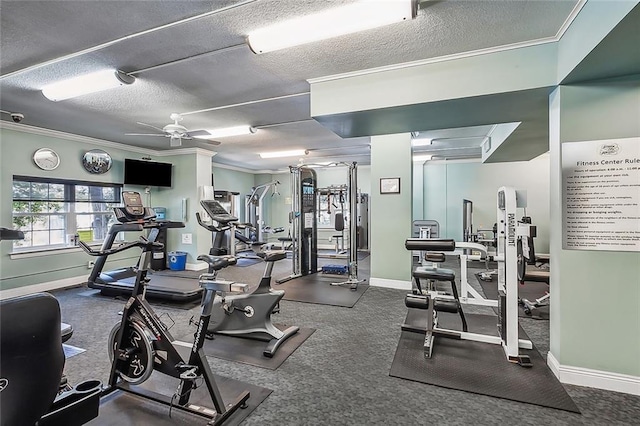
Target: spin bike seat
{"x":218,"y":262}
{"x":273,"y":256}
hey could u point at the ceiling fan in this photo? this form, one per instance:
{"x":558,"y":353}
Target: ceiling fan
{"x":175,"y":131}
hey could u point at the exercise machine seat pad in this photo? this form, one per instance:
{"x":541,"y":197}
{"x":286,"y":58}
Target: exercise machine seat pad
{"x":436,"y":274}
{"x":434,"y":257}
{"x":66,"y":331}
{"x":218,"y":262}
{"x":273,"y":256}
{"x":429,"y":245}
{"x":31,"y":357}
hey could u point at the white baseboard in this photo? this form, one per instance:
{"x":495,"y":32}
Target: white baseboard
{"x":199,"y":266}
{"x":48,"y":286}
{"x":594,"y":378}
{"x":387,"y":283}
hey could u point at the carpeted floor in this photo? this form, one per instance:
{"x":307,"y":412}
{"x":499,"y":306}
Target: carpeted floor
{"x":340,"y":375}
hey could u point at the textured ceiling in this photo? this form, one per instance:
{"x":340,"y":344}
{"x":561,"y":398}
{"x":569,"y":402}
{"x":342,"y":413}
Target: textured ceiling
{"x":208,"y":65}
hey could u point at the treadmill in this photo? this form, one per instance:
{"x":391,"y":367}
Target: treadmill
{"x":119,"y":282}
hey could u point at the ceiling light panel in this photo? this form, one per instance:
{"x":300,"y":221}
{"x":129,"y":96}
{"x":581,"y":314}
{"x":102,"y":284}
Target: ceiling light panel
{"x":280,"y":154}
{"x":85,"y":84}
{"x":352,"y":18}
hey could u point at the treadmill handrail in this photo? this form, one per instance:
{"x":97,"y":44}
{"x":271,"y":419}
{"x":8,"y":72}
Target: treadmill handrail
{"x":142,"y":242}
{"x":211,"y":227}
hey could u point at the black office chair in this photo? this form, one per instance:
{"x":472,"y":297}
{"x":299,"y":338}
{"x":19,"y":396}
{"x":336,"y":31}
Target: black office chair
{"x":31,"y":365}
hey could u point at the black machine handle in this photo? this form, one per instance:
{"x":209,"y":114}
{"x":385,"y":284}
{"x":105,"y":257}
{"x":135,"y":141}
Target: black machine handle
{"x":11,"y":234}
{"x":210,"y":227}
{"x":142,"y":243}
{"x":429,"y":245}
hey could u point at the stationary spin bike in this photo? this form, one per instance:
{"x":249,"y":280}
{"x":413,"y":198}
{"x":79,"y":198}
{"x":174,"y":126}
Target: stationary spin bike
{"x":140,"y":343}
{"x":245,"y":315}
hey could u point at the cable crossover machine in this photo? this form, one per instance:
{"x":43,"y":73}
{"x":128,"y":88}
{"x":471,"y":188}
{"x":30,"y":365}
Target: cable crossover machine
{"x":303,"y":219}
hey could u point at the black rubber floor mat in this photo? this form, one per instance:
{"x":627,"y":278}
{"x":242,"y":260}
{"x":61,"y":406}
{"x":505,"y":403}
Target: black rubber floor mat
{"x":317,"y":288}
{"x":153,"y":301}
{"x":249,"y":351}
{"x":124,"y":409}
{"x":477,"y":367}
{"x":530,"y":290}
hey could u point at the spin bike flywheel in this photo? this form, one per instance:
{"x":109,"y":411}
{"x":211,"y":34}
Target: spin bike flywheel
{"x":138,"y":343}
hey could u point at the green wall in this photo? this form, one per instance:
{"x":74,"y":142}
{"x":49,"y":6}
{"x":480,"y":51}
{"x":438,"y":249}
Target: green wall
{"x":16,"y":150}
{"x":595,"y":306}
{"x":445,"y":184}
{"x":391,"y":213}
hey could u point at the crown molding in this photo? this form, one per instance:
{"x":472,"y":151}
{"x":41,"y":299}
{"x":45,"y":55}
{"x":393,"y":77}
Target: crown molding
{"x":236,"y":168}
{"x":184,"y":151}
{"x":462,"y":55}
{"x":41,"y":131}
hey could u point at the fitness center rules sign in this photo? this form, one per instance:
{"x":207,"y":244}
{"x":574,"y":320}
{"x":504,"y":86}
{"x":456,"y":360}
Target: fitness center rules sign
{"x":601,"y":192}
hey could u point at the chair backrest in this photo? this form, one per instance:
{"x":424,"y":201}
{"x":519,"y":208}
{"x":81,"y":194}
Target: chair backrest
{"x":31,"y":357}
{"x":339,"y":222}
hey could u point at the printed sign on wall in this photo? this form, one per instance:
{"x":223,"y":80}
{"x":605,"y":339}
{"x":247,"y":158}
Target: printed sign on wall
{"x":601,"y":193}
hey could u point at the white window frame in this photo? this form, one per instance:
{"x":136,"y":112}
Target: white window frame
{"x":69,"y":202}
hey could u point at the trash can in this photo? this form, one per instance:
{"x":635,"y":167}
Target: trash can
{"x":177,"y":260}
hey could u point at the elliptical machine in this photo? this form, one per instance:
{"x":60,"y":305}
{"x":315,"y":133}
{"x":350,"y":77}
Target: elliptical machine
{"x":245,"y":315}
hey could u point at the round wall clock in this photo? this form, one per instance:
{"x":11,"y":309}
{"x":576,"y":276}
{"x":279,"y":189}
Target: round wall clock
{"x":97,"y":161}
{"x":46,"y":159}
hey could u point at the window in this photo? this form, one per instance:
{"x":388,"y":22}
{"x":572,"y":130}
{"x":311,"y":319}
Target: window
{"x":49,"y":210}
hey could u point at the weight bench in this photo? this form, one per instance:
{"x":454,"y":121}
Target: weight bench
{"x":430,"y":299}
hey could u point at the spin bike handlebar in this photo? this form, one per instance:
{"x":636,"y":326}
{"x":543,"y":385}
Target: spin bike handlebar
{"x":142,"y":243}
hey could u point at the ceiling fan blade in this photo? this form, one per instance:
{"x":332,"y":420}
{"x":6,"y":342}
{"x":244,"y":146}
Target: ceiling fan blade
{"x":149,"y":125}
{"x":214,"y":143}
{"x":198,"y":133}
{"x":145,"y":134}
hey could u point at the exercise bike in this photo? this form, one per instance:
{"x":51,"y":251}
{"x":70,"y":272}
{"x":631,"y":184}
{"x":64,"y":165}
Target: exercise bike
{"x":141,"y":343}
{"x":245,"y":315}
{"x":249,"y":315}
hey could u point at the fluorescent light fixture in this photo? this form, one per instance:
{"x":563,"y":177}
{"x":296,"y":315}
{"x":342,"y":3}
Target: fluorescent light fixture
{"x":278,"y":154}
{"x":85,"y":84}
{"x":228,"y":131}
{"x":352,"y":18}
{"x":417,"y":158}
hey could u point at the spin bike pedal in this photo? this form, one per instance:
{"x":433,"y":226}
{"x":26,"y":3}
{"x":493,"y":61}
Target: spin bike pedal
{"x":524,"y":361}
{"x":187,"y":372}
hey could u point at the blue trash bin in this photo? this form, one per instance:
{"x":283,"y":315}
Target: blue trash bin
{"x":177,"y":260}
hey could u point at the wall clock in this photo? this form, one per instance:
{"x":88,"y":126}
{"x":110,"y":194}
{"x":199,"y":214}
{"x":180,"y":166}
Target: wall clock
{"x":96,"y":161}
{"x":46,"y":159}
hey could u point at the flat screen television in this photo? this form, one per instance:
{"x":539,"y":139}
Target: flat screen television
{"x":147,"y":173}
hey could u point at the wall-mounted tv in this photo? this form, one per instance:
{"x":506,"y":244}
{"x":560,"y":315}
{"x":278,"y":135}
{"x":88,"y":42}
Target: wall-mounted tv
{"x":147,"y":173}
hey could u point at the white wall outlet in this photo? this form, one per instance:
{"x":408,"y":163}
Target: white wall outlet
{"x":187,"y":239}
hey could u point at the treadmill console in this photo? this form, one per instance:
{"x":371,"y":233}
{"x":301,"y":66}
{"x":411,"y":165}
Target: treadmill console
{"x":133,"y":209}
{"x":217,"y":212}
